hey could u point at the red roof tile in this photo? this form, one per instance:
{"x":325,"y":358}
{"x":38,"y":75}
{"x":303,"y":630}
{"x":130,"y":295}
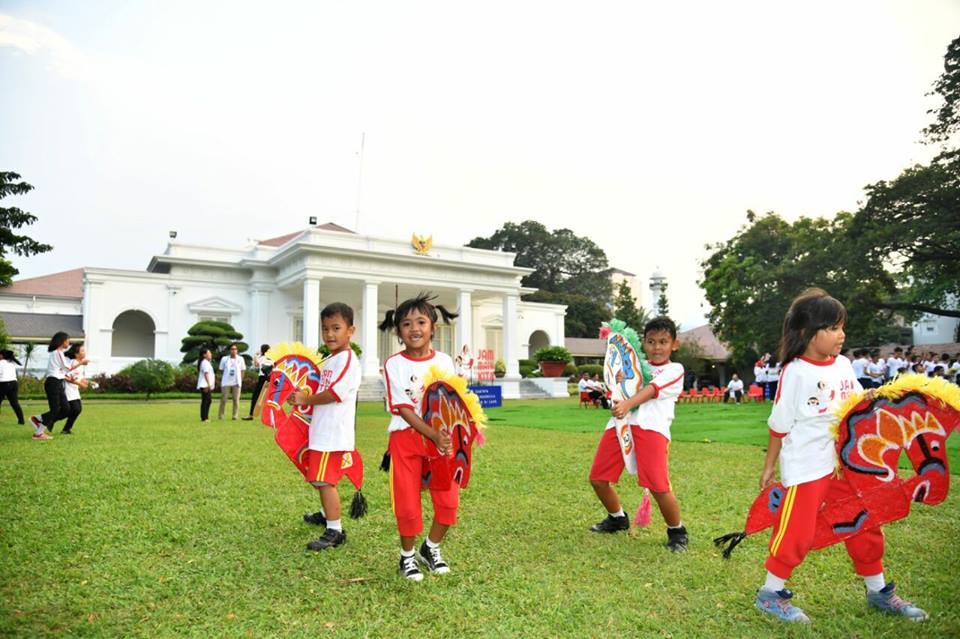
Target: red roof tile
{"x":283,"y":239}
{"x":63,"y":284}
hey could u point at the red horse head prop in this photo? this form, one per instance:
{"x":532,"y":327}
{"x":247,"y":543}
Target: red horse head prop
{"x":914,"y":414}
{"x":447,"y":405}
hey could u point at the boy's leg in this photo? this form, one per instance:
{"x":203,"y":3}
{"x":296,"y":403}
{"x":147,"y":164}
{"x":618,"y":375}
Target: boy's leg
{"x":669,"y":508}
{"x":334,"y":535}
{"x":74,"y":412}
{"x":236,"y":401}
{"x":607,"y":495}
{"x":606,"y":469}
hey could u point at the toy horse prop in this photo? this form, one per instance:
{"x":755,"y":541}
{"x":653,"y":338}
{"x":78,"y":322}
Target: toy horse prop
{"x":449,"y":406}
{"x":915,"y":414}
{"x":625,"y":372}
{"x":296,"y":367}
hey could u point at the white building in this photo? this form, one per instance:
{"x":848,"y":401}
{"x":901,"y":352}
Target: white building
{"x":273,"y":291}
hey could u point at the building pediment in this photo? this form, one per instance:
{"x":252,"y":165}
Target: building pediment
{"x":215,"y":305}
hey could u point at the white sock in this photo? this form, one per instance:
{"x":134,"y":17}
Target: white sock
{"x":619,"y":513}
{"x":430,"y":544}
{"x":774,"y":583}
{"x":406,"y":553}
{"x":875,"y":583}
{"x":677,"y":527}
{"x":334,"y":524}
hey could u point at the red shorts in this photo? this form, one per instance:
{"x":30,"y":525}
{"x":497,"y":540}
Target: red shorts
{"x":328,"y":467}
{"x":652,"y":450}
{"x":408,"y":462}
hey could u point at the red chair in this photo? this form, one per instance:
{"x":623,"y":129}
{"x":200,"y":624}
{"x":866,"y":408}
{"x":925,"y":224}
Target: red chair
{"x":755,"y":393}
{"x":694,"y":396}
{"x":717,"y":394}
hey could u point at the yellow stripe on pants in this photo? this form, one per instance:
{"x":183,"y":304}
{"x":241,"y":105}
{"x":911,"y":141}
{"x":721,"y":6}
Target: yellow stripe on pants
{"x":784,"y":519}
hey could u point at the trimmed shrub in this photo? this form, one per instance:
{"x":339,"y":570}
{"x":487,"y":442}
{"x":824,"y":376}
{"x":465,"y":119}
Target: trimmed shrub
{"x":591,"y":369}
{"x":553,"y":354}
{"x":152,"y":376}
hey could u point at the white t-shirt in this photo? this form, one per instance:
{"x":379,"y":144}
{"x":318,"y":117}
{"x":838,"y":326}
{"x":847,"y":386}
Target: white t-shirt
{"x":332,"y":426}
{"x":404,"y":377}
{"x":773,"y":372}
{"x":8,"y":371}
{"x":760,"y":373}
{"x":57,"y":364}
{"x":657,"y":414}
{"x":859,"y":367}
{"x":893,"y":365}
{"x":206,"y":368}
{"x":928,"y":366}
{"x":232,"y":368}
{"x":734,"y":386}
{"x":71,"y":390}
{"x":803,"y":411}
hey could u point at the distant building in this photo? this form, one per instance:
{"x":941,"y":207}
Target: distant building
{"x":618,"y":276}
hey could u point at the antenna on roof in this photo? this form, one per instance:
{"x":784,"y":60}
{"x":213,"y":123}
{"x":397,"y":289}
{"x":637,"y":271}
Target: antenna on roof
{"x":356,"y":224}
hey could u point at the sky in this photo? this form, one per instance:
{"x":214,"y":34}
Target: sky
{"x":650,"y":128}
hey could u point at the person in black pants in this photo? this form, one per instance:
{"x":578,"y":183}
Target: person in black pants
{"x":264,"y":367}
{"x":205,"y":383}
{"x":9,"y":386}
{"x":57,"y":369}
{"x":72,"y":385}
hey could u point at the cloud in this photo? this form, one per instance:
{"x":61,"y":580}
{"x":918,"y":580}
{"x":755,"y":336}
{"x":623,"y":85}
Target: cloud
{"x":37,"y":40}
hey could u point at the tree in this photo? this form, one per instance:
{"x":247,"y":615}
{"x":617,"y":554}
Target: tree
{"x":4,"y":336}
{"x":568,"y":269}
{"x":663,"y":305}
{"x":947,"y":116}
{"x":913,"y":225}
{"x":151,"y":375}
{"x":751,"y":279}
{"x":625,"y":308}
{"x":12,"y":218}
{"x":217,"y":336}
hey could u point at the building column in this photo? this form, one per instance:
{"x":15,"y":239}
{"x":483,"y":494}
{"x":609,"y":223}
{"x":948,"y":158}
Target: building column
{"x":311,"y":312}
{"x":464,"y":328}
{"x":369,"y":314}
{"x":510,"y":336}
{"x":259,"y":300}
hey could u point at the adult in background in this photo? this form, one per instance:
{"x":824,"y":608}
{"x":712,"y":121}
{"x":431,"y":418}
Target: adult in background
{"x":760,"y":374}
{"x":773,"y":378}
{"x":57,"y":370}
{"x":72,"y":383}
{"x":206,"y":380}
{"x":232,"y":366}
{"x":734,"y":389}
{"x":264,"y":366}
{"x":9,"y":386}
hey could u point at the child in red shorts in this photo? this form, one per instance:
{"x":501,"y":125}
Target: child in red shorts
{"x":415,"y":322}
{"x":649,"y":413}
{"x":332,"y":450}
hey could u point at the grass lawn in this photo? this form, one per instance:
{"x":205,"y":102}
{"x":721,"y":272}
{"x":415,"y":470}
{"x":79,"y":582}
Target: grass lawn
{"x":147,"y":523}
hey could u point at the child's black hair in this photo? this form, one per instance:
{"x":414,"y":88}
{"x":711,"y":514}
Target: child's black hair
{"x":57,"y":340}
{"x":662,"y":323}
{"x":73,"y":351}
{"x":810,"y":312}
{"x":422,"y":303}
{"x":203,"y":351}
{"x":338,"y":308}
{"x":264,"y":348}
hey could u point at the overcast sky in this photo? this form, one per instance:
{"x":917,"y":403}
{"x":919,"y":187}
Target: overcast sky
{"x":649,"y":127}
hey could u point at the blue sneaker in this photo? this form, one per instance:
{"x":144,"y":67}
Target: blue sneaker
{"x":777,"y":603}
{"x":888,"y":601}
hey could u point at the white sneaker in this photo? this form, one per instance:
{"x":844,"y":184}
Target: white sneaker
{"x":430,"y":557}
{"x":409,"y":569}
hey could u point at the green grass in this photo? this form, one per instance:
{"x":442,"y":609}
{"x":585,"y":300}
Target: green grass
{"x":147,"y":523}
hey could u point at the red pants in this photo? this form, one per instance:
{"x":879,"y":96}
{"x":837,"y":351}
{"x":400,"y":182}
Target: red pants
{"x":794,"y":530}
{"x":408,"y":461}
{"x":652,"y":452}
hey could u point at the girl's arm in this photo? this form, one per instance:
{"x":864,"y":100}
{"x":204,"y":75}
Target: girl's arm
{"x":304,"y":398}
{"x":769,"y":464}
{"x":438,"y":437}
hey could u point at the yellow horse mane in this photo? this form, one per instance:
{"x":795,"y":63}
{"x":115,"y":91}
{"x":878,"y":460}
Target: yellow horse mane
{"x":459,"y":384}
{"x":284,"y":349}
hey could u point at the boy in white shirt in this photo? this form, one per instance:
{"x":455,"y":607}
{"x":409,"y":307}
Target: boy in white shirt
{"x":650,"y":413}
{"x":232,"y":366}
{"x":332,"y":449}
{"x":734,"y":389}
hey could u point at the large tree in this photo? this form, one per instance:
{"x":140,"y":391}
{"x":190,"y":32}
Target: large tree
{"x":568,"y":269}
{"x":11,"y":219}
{"x":947,"y":115}
{"x":751,"y":279}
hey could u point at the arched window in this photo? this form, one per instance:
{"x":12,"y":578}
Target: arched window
{"x":538,"y":340}
{"x":133,"y":335}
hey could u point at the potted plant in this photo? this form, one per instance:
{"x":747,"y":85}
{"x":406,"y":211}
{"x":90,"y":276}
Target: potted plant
{"x":552,"y":360}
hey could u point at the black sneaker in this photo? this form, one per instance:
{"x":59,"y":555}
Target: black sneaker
{"x":409,"y":569}
{"x":329,"y":539}
{"x":431,"y":559}
{"x":612,"y":524}
{"x":317,"y":518}
{"x":677,"y":539}
{"x":247,"y":419}
{"x":65,"y":432}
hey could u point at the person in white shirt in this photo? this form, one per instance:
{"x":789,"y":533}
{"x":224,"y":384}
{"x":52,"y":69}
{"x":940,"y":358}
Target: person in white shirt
{"x":9,"y":386}
{"x":232,"y":366}
{"x":874,"y":371}
{"x":57,"y":369}
{"x":72,"y":383}
{"x":734,"y":389}
{"x":206,"y":380}
{"x":264,"y":365}
{"x":859,"y":365}
{"x":894,"y":363}
{"x":814,"y":382}
{"x":332,"y":451}
{"x":773,"y":379}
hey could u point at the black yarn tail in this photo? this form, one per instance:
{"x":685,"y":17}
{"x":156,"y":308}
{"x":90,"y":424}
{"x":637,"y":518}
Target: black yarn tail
{"x":385,"y":463}
{"x":730,"y":540}
{"x":358,"y":507}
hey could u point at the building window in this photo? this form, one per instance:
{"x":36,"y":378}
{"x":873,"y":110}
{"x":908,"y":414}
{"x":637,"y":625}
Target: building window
{"x":494,"y":341}
{"x":443,"y":339}
{"x":213,"y":318}
{"x":297,"y":328}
